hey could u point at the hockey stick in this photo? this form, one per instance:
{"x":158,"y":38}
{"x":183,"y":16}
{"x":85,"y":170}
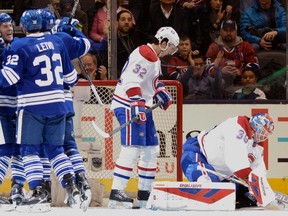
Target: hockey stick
{"x":279,"y":196}
{"x":90,"y":82}
{"x":80,"y":60}
{"x":76,"y":2}
{"x":106,"y":135}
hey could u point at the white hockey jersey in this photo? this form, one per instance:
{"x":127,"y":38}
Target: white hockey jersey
{"x":229,"y":147}
{"x":141,"y":70}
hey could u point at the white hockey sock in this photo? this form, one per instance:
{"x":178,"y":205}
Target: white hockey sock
{"x":4,"y":163}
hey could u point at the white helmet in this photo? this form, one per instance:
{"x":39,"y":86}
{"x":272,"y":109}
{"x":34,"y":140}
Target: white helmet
{"x":172,"y":38}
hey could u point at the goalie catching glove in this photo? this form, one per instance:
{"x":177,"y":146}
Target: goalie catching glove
{"x":163,"y":96}
{"x":138,"y":109}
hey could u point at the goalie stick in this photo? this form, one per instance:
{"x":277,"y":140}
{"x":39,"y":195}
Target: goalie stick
{"x":106,"y":135}
{"x":279,"y":196}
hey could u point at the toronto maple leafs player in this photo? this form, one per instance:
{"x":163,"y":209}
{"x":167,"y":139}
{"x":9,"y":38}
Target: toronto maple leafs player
{"x":77,"y":45}
{"x":39,"y":66}
{"x":8,"y":105}
{"x":135,"y":91}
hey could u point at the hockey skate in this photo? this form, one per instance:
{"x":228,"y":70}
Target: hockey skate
{"x":73,"y":198}
{"x":38,"y":202}
{"x":17,"y":195}
{"x":142,"y":197}
{"x":118,"y":199}
{"x":47,"y":186}
{"x":84,"y":189}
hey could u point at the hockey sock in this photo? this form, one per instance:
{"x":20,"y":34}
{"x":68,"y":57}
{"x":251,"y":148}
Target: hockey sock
{"x":76,"y":160}
{"x":62,"y":165}
{"x":46,"y":168}
{"x":147,"y":167}
{"x":17,"y":169}
{"x":4,"y":163}
{"x":124,"y":167}
{"x":33,"y":170}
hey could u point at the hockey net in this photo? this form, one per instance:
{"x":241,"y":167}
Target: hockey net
{"x":101,"y":153}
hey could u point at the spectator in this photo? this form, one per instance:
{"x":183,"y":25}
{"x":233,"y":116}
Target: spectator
{"x":250,"y":75}
{"x":194,"y":10}
{"x":264,"y":25}
{"x":90,"y":63}
{"x":140,"y":10}
{"x":167,"y":13}
{"x":200,"y":85}
{"x":209,"y":22}
{"x":182,"y":59}
{"x":233,"y":54}
{"x":97,"y":33}
{"x":66,"y":9}
{"x":128,"y":38}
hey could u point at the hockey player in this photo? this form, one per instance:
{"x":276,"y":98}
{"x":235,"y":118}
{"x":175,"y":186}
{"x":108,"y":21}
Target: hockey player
{"x":39,"y":66}
{"x":8,"y":101}
{"x":233,"y":147}
{"x":77,"y":47}
{"x":136,"y":88}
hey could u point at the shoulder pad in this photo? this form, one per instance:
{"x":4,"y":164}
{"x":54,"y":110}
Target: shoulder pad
{"x":148,"y":53}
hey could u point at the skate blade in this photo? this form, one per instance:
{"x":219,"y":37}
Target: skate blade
{"x":7,"y":207}
{"x":35,"y":208}
{"x":142,"y":204}
{"x":119,"y":205}
{"x":85,"y":203}
{"x":76,"y":203}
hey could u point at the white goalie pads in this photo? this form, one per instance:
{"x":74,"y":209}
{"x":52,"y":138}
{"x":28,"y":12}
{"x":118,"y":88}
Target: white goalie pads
{"x":260,"y":187}
{"x":192,"y":196}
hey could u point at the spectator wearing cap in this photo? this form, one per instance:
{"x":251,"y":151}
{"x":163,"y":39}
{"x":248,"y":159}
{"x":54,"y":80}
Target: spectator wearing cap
{"x":249,"y":91}
{"x":229,"y":54}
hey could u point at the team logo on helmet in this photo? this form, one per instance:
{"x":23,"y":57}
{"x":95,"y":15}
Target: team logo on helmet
{"x":262,"y":125}
{"x":31,"y":20}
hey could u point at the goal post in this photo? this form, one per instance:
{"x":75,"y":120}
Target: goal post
{"x":101,"y":153}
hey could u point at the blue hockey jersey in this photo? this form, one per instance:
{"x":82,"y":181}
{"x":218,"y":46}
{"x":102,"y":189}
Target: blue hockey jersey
{"x":39,"y":65}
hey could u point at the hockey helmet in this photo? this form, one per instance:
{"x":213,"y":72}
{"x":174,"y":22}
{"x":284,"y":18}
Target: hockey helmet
{"x":4,"y":17}
{"x":48,"y":19}
{"x":31,"y":20}
{"x":171,"y":37}
{"x":262,"y":125}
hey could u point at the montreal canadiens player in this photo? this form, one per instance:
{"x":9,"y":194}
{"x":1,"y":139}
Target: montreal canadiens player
{"x":135,"y":91}
{"x":233,"y":148}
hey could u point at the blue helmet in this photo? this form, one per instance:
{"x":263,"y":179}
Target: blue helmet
{"x":48,"y":19}
{"x":4,"y":17}
{"x":31,"y":20}
{"x":262,"y":125}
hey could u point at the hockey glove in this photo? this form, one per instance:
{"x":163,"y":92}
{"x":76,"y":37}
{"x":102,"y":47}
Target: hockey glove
{"x":163,"y":96}
{"x":69,"y":29}
{"x":138,"y":109}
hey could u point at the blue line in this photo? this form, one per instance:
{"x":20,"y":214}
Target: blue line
{"x":282,"y":139}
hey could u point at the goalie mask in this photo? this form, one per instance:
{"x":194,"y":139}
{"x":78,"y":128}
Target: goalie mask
{"x":262,"y":125}
{"x":170,"y":38}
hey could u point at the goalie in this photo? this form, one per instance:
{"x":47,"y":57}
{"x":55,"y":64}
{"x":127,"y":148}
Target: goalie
{"x":233,"y":148}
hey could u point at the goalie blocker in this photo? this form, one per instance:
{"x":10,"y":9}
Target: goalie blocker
{"x":192,"y":196}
